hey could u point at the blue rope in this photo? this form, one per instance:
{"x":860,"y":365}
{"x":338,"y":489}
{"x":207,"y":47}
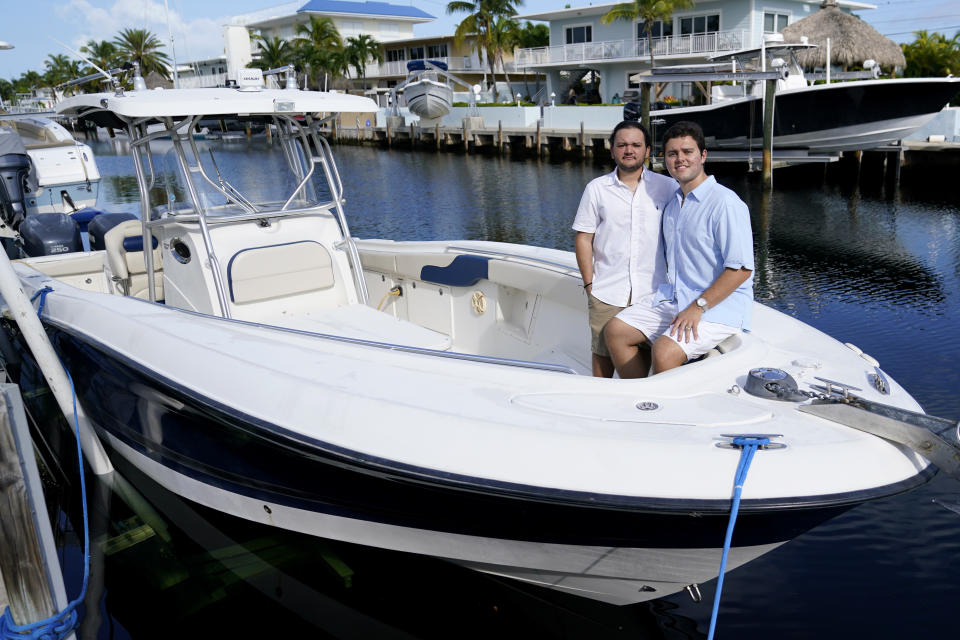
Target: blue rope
{"x":748,"y":446}
{"x":59,"y":625}
{"x":42,"y":294}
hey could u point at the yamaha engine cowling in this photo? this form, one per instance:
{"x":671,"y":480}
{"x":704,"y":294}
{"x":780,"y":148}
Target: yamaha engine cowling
{"x":47,"y":234}
{"x":14,"y":171}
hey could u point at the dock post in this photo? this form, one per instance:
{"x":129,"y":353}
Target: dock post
{"x":22,"y":564}
{"x":537,"y":140}
{"x":388,"y":133}
{"x":412,"y":134}
{"x":436,"y":135}
{"x":500,"y":137}
{"x":768,"y":95}
{"x":583,"y":141}
{"x":466,"y":144}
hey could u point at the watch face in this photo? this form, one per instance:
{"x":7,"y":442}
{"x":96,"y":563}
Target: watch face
{"x":702,"y":303}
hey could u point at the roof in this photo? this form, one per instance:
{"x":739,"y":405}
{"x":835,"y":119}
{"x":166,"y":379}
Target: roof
{"x":176,"y":103}
{"x":600,"y":9}
{"x":852,"y":40}
{"x":364,"y":8}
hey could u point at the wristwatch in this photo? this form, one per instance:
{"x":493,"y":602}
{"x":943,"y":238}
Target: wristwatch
{"x":702,"y":303}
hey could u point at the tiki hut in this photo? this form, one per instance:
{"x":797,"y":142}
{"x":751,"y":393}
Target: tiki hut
{"x":852,"y":41}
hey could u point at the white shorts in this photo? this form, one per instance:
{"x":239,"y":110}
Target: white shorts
{"x":653,"y":320}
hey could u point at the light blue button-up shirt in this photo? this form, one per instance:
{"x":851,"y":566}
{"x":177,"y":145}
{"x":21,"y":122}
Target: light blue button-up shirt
{"x":707,"y":233}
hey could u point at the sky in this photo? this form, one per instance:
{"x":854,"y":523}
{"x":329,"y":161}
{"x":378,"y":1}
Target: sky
{"x":32,"y":25}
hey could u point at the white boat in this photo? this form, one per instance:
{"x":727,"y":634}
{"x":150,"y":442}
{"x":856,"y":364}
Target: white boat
{"x":65,"y":174}
{"x":426,"y":94}
{"x":426,"y":397}
{"x":820,"y":118}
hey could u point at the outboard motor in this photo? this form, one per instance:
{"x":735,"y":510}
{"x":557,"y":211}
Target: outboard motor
{"x":47,"y":234}
{"x":14,"y":171}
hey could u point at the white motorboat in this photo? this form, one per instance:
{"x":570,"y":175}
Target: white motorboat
{"x":426,"y":94}
{"x":820,"y":118}
{"x":65,"y":174}
{"x":427,"y":397}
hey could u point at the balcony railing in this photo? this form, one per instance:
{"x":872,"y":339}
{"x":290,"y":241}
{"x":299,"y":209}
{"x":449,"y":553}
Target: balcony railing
{"x":703,"y":44}
{"x":455,"y":64}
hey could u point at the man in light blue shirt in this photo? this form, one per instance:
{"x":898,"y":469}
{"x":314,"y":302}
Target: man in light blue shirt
{"x":708,"y":244}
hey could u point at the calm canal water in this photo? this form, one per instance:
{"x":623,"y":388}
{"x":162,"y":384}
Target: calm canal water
{"x":877,"y":268}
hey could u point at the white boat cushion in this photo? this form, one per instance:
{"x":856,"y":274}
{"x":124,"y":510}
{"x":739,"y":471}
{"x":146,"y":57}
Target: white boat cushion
{"x":278,"y":271}
{"x":361,"y":322}
{"x":130,"y":266}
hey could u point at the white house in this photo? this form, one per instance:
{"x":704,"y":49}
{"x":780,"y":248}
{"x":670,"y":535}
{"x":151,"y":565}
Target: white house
{"x":581,"y":43}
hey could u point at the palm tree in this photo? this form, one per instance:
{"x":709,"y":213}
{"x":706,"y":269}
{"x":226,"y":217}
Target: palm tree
{"x":320,"y":47}
{"x":274,"y":53}
{"x":361,"y":49}
{"x":60,"y":69}
{"x":141,"y":46}
{"x":104,"y":54}
{"x":647,"y":12}
{"x":932,"y":54}
{"x":481,"y":16}
{"x":504,"y":34}
{"x":529,"y":37}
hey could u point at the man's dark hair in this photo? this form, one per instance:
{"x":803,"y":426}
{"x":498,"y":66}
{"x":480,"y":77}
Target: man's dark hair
{"x":685,"y":128}
{"x":630,"y":124}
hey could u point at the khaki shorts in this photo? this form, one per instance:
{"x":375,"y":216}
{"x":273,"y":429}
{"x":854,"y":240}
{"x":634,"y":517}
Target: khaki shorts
{"x":600,"y":314}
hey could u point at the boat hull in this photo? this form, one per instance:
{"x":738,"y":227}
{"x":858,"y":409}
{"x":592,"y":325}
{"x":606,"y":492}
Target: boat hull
{"x":822,"y":118}
{"x":618,"y":549}
{"x":428,"y":98}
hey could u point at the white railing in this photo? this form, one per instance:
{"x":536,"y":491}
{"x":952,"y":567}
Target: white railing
{"x":399,"y":68}
{"x":703,"y":44}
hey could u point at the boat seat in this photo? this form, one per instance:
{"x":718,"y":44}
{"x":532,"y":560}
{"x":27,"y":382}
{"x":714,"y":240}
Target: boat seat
{"x":279,"y":271}
{"x":360,"y":322}
{"x":125,"y":260}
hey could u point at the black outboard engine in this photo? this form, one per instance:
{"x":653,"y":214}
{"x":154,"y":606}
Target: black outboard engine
{"x":14,"y":171}
{"x":47,"y":234}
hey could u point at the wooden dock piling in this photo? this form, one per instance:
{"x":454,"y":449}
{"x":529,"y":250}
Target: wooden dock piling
{"x":30,"y":590}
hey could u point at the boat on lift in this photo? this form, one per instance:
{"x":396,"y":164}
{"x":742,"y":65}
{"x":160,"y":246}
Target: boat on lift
{"x":820,"y":118}
{"x":426,"y":397}
{"x":426,"y":94}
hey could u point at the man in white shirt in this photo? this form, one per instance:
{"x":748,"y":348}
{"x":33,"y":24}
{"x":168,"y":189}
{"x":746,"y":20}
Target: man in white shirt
{"x":618,"y":235}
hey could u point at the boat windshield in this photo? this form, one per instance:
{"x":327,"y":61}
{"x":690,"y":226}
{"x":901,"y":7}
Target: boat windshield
{"x":228,"y":180}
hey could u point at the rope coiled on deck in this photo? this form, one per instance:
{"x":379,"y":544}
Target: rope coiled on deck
{"x":59,"y":625}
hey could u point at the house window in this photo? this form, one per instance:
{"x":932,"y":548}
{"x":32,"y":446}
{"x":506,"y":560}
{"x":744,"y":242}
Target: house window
{"x":658,"y":29}
{"x":576,"y":35}
{"x":396,"y":55}
{"x":696,"y":25}
{"x":436,"y":50}
{"x":774,"y":22}
{"x":416,"y":53}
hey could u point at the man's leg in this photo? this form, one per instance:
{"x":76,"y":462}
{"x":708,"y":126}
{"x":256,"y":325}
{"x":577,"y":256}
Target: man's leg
{"x":667,"y":355}
{"x":623,"y":341}
{"x":602,"y":366}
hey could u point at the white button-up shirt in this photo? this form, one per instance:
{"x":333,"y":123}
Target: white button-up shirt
{"x":628,"y":260}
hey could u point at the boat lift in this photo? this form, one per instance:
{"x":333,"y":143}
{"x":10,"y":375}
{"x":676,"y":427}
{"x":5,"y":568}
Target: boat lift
{"x":474,"y":89}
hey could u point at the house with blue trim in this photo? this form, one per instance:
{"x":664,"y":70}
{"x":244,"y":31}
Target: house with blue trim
{"x":582,"y":47}
{"x":381,"y":20}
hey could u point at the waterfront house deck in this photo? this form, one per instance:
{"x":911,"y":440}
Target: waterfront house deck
{"x":614,"y":51}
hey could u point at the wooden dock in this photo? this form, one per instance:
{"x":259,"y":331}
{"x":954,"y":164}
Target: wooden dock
{"x":30,"y":580}
{"x":476,"y":137}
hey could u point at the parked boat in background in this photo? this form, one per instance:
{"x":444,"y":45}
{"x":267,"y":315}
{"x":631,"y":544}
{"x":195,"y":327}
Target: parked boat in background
{"x":426,"y":94}
{"x":825,"y":118}
{"x":62,"y":176}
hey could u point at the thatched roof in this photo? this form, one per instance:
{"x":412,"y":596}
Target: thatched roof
{"x":851,"y":40}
